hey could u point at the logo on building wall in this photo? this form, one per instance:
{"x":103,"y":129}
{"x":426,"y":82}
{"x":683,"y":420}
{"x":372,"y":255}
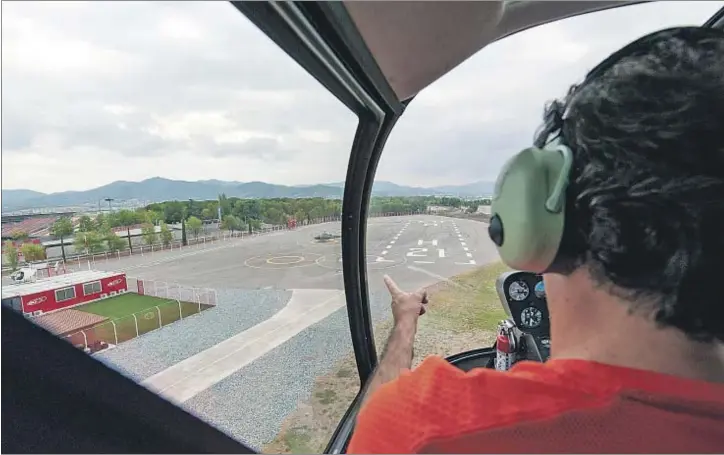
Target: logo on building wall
{"x":36,"y":300}
{"x":115,"y":282}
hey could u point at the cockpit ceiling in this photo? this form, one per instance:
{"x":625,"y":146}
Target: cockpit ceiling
{"x":417,"y":42}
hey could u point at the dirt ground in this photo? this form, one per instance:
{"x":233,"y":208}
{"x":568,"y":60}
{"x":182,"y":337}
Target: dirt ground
{"x":460,"y":317}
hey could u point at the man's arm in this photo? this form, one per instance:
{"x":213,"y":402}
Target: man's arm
{"x":397,"y":356}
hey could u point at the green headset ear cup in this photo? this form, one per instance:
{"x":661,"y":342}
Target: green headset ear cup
{"x":529,"y":202}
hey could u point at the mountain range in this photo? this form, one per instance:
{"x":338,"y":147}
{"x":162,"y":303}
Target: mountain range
{"x":159,"y":189}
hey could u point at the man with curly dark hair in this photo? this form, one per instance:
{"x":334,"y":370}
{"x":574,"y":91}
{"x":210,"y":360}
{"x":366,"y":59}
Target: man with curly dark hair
{"x":636,"y":305}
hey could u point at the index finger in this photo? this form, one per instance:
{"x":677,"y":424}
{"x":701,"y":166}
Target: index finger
{"x":392,"y":286}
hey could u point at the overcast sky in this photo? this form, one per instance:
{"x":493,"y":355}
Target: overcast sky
{"x":102,"y":91}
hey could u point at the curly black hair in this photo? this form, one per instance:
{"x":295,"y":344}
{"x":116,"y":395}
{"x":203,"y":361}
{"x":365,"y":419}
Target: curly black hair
{"x":645,"y":205}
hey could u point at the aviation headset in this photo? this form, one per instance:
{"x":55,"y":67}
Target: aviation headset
{"x":528,"y":206}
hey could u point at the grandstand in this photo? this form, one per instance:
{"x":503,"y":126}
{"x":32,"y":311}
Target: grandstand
{"x":34,"y":227}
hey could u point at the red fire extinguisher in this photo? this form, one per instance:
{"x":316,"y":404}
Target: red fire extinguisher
{"x":505,"y":347}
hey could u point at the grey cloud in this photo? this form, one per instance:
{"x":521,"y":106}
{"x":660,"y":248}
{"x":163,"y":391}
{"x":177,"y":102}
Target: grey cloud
{"x":453,"y":139}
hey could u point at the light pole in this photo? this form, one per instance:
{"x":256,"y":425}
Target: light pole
{"x":109,"y":199}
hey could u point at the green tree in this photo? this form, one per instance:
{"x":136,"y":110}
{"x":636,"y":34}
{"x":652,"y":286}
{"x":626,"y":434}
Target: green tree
{"x":90,"y":242}
{"x":184,"y":240}
{"x":101,"y":223}
{"x":114,"y":242}
{"x":126,"y":219}
{"x":11,"y":255}
{"x":231,"y":223}
{"x":225,"y":204}
{"x":20,"y":236}
{"x":194,"y":226}
{"x":148,"y":231}
{"x":207,"y":213}
{"x":152,"y":216}
{"x":33,"y":252}
{"x":85,"y":224}
{"x":61,"y":229}
{"x":166,"y":235}
{"x":254,"y":225}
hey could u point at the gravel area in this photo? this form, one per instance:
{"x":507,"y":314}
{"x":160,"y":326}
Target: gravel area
{"x":236,"y":311}
{"x":251,"y":404}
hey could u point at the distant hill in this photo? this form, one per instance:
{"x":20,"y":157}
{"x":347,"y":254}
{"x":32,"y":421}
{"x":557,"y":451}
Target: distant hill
{"x":159,"y":189}
{"x":14,"y":197}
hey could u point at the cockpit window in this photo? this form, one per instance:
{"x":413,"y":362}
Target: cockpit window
{"x":179,"y":180}
{"x":187,"y":175}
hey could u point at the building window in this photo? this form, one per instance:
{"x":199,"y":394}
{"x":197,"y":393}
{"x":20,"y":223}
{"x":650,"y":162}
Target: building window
{"x":61,"y":295}
{"x":92,"y":288}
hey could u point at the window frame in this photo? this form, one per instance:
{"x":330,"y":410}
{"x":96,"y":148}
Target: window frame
{"x":72,"y":288}
{"x":100,"y":287}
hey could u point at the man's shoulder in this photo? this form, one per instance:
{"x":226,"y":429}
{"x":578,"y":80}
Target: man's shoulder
{"x":436,"y":399}
{"x":487,"y":394}
{"x":438,"y":402}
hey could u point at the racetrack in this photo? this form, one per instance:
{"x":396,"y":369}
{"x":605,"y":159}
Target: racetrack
{"x":281,"y":319}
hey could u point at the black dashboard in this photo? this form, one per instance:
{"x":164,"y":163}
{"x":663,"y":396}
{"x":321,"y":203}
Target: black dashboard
{"x":523,"y":297}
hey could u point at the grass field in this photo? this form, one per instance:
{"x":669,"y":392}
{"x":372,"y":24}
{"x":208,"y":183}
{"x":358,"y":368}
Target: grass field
{"x":123,"y":305}
{"x":150,"y":313}
{"x":461,"y":316}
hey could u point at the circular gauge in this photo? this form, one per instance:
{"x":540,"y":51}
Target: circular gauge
{"x":518,"y":291}
{"x":540,"y":290}
{"x":531,"y":317}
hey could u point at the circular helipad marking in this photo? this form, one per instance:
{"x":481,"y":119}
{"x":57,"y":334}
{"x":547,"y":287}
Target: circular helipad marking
{"x":282,"y":260}
{"x":272,"y":261}
{"x":150,"y":315}
{"x":374,"y":262}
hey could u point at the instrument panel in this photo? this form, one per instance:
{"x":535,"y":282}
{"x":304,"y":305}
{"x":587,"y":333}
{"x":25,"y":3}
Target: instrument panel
{"x":524,"y":299}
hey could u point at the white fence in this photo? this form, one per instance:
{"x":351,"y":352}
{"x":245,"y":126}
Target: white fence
{"x":183,"y":301}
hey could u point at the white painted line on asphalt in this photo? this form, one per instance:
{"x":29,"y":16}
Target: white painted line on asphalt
{"x":463,"y":244}
{"x":465,"y":248}
{"x":441,"y":252}
{"x":434,"y":275}
{"x":384,"y":252}
{"x":424,"y":262}
{"x":388,"y":247}
{"x":469,"y":255}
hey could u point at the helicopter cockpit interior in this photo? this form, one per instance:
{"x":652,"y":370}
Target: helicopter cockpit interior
{"x":375,"y":57}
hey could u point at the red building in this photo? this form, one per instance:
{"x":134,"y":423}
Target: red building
{"x":63,"y":291}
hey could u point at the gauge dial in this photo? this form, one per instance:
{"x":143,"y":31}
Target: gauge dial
{"x":540,"y":290}
{"x":518,"y":291}
{"x":531,"y":317}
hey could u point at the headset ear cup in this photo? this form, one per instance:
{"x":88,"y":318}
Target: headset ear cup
{"x":525,"y":230}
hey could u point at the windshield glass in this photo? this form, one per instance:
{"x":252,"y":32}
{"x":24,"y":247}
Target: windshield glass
{"x":183,"y":178}
{"x":176,"y":180}
{"x":430,"y":204}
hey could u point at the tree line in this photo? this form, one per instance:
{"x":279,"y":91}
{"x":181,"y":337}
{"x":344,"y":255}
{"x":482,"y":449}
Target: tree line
{"x":94,"y":235}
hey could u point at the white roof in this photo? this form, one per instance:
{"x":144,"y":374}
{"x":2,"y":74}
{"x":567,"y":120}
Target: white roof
{"x":56,"y":282}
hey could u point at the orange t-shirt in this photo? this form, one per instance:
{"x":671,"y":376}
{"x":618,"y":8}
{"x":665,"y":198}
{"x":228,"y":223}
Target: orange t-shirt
{"x":553,"y":407}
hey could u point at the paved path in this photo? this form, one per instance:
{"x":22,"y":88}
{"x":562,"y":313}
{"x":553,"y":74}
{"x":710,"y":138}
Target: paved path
{"x":199,"y":372}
